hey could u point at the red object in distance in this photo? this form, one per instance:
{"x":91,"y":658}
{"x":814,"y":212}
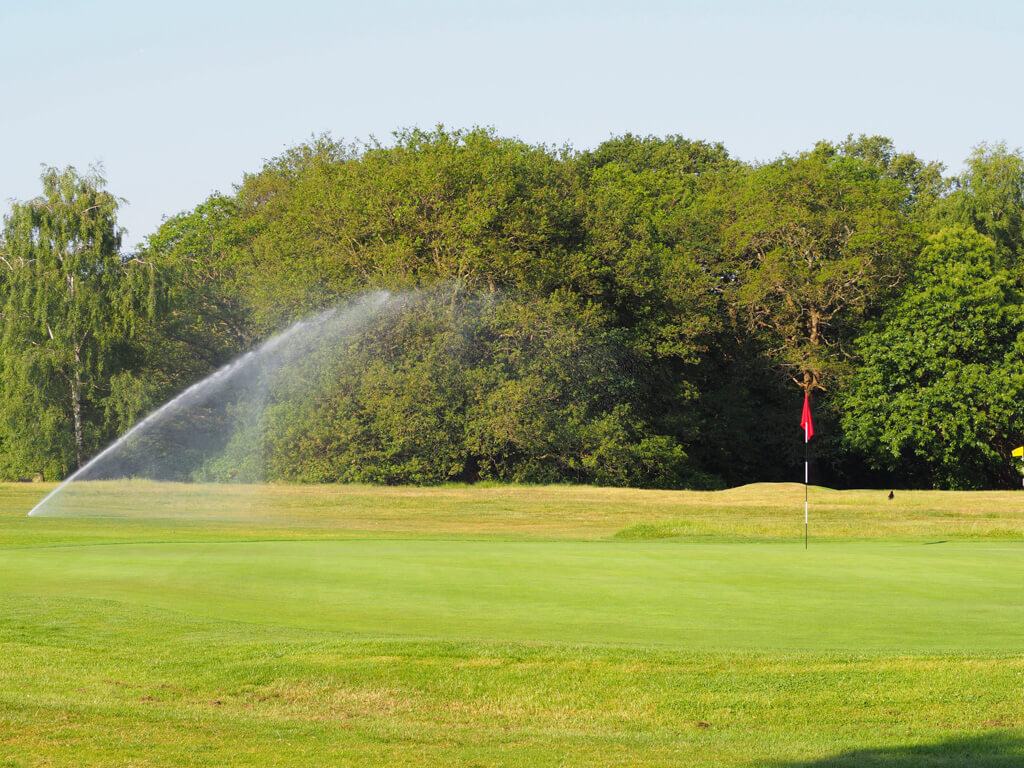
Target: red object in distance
{"x":805,"y":420}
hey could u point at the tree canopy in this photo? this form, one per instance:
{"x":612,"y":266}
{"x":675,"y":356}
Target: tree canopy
{"x":648,"y":312}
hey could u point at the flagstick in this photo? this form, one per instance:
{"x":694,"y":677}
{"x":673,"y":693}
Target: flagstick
{"x":808,"y":425}
{"x":807,"y":474}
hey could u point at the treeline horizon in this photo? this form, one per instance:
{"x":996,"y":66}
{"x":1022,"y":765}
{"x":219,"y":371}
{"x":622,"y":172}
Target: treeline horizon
{"x":648,"y":313}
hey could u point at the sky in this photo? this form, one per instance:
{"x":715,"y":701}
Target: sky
{"x":179,"y":100}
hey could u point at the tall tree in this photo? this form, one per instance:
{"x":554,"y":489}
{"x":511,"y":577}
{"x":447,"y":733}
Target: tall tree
{"x":70,"y":305}
{"x":815,"y":241}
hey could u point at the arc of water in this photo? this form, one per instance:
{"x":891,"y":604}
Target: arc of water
{"x":195,"y":393}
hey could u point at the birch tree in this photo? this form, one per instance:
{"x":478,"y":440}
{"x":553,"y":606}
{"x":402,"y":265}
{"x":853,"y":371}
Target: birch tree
{"x":70,"y":305}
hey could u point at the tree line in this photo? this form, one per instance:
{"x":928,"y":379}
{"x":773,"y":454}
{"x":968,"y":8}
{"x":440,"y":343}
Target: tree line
{"x":650,"y":312}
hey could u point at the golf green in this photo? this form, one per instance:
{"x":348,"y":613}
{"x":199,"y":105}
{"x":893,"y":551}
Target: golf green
{"x":844,"y":595}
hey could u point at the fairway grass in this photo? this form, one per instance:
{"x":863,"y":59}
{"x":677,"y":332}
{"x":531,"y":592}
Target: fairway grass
{"x":303,"y":626}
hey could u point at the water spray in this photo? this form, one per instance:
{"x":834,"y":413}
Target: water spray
{"x":248,"y":373}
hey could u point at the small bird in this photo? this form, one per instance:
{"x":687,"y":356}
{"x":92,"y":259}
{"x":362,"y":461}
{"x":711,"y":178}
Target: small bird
{"x":891,"y":495}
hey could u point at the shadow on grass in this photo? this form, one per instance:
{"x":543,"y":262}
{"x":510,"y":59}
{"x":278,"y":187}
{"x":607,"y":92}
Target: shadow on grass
{"x":995,"y":750}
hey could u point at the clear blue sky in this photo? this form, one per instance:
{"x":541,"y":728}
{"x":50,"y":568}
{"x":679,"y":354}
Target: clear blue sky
{"x":180,"y":99}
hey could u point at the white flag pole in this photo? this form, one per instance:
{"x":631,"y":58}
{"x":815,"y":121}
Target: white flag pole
{"x":807,"y":475}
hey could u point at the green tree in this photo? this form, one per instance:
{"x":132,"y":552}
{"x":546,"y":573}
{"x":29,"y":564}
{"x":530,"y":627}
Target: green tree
{"x":989,"y":197}
{"x":71,"y":304}
{"x":939,"y":396}
{"x":462,"y":207}
{"x":814,"y":243}
{"x":923,"y":181}
{"x":639,"y":202}
{"x":204,"y":317}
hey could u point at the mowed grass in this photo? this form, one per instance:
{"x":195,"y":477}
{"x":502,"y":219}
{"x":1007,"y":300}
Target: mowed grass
{"x":301,"y":626}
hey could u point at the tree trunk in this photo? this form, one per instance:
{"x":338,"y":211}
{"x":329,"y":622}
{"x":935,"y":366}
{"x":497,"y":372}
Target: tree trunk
{"x":815,"y":334}
{"x":76,"y":408}
{"x":808,"y":383}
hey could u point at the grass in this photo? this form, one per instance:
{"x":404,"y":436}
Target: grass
{"x":300,"y":626}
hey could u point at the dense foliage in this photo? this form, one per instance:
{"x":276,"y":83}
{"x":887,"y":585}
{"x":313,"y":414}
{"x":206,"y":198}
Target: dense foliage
{"x":940,"y":391}
{"x":71,"y":306}
{"x":648,"y":313}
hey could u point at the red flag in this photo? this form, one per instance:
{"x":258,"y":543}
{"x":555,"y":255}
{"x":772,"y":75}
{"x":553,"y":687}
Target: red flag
{"x":805,"y":420}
